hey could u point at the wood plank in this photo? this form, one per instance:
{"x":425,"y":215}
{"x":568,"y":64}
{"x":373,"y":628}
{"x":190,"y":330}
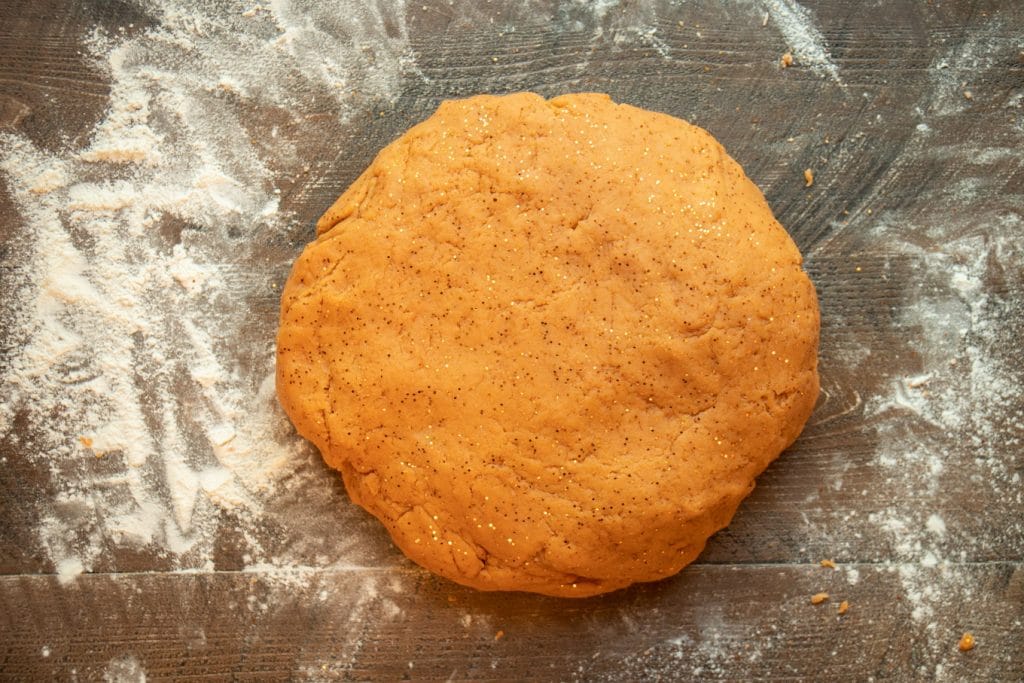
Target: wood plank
{"x":710,"y":623}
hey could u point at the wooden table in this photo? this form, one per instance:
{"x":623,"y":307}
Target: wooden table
{"x":910,"y":115}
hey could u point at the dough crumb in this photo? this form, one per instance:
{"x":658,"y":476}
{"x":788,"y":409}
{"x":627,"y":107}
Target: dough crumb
{"x":828,"y":563}
{"x":819,"y":598}
{"x":843,"y":606}
{"x":966,"y":642}
{"x":786,"y":60}
{"x":499,"y":635}
{"x":808,"y":177}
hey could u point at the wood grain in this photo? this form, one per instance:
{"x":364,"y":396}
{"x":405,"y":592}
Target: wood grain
{"x":716,"y":622}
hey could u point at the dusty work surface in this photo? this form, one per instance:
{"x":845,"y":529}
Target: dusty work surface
{"x":162,"y":165}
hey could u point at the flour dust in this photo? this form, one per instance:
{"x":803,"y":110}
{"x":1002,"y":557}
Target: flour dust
{"x":135,"y":378}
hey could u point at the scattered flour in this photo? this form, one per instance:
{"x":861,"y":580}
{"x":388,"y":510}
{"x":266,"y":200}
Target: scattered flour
{"x":130,"y":319}
{"x":958,"y":408}
{"x":627,"y":24}
{"x":952,"y":402}
{"x":637,"y":23}
{"x":957,"y":70}
{"x":797,"y":26}
{"x":68,"y":569}
{"x":963,"y":412}
{"x":125,"y":669}
{"x":936,"y":525}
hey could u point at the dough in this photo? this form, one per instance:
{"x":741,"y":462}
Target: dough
{"x":549,"y":343}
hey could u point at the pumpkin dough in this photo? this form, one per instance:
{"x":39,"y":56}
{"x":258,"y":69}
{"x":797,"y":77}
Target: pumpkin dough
{"x":550,"y":343}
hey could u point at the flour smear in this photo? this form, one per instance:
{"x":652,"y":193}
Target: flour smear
{"x":125,"y":378}
{"x":800,"y":30}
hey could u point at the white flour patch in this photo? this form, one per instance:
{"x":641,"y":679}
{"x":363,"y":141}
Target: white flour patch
{"x":68,"y":569}
{"x":957,"y":71}
{"x":151,"y":418}
{"x":125,"y":669}
{"x":961,"y":411}
{"x":633,"y":24}
{"x":936,"y":525}
{"x":614,"y":24}
{"x":376,"y":602}
{"x":948,"y":419}
{"x":797,"y":26}
{"x":714,"y":648}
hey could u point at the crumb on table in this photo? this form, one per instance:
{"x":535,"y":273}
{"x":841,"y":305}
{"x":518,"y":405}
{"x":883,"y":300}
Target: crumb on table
{"x":786,"y":60}
{"x":808,"y":177}
{"x":843,"y":606}
{"x":819,"y":598}
{"x":830,"y":564}
{"x":966,"y":642}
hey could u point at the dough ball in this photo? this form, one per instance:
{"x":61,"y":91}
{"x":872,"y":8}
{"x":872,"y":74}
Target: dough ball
{"x":550,"y":343}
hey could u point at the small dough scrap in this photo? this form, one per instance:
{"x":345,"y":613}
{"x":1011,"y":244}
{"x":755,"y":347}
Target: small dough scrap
{"x":550,"y":343}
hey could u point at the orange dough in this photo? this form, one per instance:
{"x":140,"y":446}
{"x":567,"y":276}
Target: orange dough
{"x":550,"y":343}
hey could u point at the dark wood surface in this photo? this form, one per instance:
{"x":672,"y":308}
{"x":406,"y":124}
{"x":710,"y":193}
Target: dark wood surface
{"x":891,"y":200}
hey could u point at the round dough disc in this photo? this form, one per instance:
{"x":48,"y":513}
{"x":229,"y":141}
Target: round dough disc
{"x":550,"y":343}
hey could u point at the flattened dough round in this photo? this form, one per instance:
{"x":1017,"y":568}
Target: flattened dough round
{"x":550,"y":343}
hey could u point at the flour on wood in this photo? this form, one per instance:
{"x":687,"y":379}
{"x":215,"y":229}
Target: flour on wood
{"x":802,"y":35}
{"x":128,"y":367}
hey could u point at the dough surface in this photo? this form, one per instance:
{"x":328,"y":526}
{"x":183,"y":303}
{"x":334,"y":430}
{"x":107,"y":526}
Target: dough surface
{"x":550,"y":343}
